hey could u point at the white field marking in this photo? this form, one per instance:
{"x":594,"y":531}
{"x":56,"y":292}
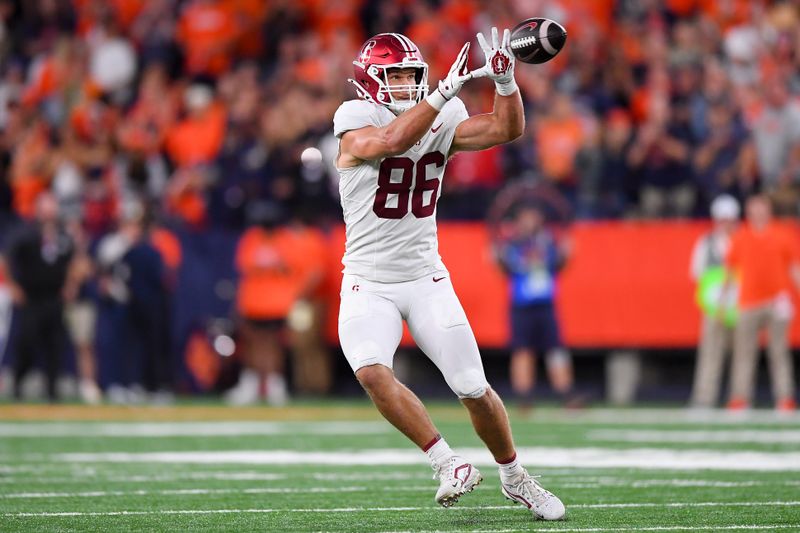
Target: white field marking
{"x":188,"y":429}
{"x":220,"y":476}
{"x":396,"y":509}
{"x":369,"y":477}
{"x":646,"y":528}
{"x":659,"y":417}
{"x":643,"y":458}
{"x":407,"y":488}
{"x":204,"y":491}
{"x":646,"y":483}
{"x":692,"y":436}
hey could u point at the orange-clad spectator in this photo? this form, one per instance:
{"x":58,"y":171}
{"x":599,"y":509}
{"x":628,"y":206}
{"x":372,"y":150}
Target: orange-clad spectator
{"x":312,"y":370}
{"x":208,"y":31}
{"x":764,"y":257}
{"x":730,"y":13}
{"x":251,"y":15}
{"x":49,"y":74}
{"x":559,"y":135}
{"x":91,"y":12}
{"x":582,"y":16}
{"x":332,"y":15}
{"x":31,"y":169}
{"x":275,"y":272}
{"x":191,"y":144}
{"x":198,"y":138}
{"x":168,"y":246}
{"x":146,"y":124}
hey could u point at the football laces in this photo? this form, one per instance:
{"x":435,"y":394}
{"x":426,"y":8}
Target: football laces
{"x":523,"y":41}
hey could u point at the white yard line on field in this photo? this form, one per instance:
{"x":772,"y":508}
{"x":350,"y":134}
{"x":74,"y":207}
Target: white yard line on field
{"x":204,"y":491}
{"x":397,"y":509}
{"x":645,"y":483}
{"x":695,"y":436}
{"x":658,"y":417}
{"x":642,"y":458}
{"x":644,"y":528}
{"x":187,"y":429}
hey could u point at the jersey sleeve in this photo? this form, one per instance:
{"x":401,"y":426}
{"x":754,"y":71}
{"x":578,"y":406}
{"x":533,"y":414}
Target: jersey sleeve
{"x":454,"y":113}
{"x":353,"y":115}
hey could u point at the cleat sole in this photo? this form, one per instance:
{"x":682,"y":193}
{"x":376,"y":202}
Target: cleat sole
{"x":451,"y":500}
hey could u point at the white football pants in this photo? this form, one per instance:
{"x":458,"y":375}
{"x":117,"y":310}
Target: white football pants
{"x":371,"y":318}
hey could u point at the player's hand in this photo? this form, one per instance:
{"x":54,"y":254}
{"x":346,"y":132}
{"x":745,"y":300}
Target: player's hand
{"x":459,"y":74}
{"x":499,"y":62}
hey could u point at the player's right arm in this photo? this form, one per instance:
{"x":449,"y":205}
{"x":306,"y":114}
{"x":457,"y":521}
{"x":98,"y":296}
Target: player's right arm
{"x":396,"y":138}
{"x":372,"y":142}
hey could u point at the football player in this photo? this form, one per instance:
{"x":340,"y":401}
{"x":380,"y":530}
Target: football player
{"x":394,"y":143}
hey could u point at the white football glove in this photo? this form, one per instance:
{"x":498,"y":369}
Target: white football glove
{"x":458,"y":75}
{"x":499,"y":62}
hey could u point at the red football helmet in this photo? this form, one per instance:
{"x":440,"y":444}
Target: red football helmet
{"x":381,"y":53}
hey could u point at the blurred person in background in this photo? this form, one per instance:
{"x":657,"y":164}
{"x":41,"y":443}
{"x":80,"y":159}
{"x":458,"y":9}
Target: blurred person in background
{"x":38,"y":259}
{"x":764,"y":258}
{"x":81,"y":313}
{"x":276,"y":272}
{"x":148,"y":307}
{"x":135,"y":282}
{"x":192,"y":145}
{"x":312,"y":367}
{"x":660,"y":155}
{"x":718,"y":160}
{"x":532,"y":258}
{"x":707,"y":270}
{"x":560,"y":133}
{"x":776,"y":140}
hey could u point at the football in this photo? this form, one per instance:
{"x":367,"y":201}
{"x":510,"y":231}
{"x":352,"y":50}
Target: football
{"x":537,"y":40}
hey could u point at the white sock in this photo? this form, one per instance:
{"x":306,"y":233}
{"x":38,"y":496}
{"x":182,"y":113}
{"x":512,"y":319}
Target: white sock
{"x":510,"y":470}
{"x":440,"y":452}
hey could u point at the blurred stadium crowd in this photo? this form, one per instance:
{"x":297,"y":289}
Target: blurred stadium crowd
{"x":205,"y":106}
{"x":196,"y":114}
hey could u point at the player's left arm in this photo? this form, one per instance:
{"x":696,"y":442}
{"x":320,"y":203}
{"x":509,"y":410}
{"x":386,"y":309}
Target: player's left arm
{"x":506,"y":122}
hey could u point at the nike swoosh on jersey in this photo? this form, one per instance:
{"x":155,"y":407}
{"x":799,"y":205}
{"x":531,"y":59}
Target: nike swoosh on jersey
{"x":437,"y":280}
{"x":434,"y":130}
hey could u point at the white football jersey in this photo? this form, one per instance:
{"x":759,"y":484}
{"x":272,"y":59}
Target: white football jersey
{"x":389,"y":204}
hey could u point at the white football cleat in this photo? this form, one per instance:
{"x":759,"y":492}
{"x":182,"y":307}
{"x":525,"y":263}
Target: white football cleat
{"x":456,"y":478}
{"x":526,"y":490}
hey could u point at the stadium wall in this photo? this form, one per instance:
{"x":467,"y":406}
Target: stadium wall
{"x":627,"y":285}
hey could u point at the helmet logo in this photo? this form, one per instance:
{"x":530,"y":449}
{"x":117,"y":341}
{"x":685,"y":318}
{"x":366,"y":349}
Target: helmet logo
{"x":500,"y":63}
{"x":366,"y":52}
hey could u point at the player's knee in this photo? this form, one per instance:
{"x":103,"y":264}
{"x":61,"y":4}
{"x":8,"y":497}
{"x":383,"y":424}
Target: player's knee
{"x":374,"y":377}
{"x":469,"y":383}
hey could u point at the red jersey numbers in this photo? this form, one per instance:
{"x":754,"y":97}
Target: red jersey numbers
{"x":413,"y":184}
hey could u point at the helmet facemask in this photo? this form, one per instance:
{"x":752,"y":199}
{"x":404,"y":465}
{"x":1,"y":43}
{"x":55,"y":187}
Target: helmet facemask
{"x":385,"y":94}
{"x":394,"y":96}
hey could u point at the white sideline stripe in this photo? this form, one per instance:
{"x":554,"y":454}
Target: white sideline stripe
{"x":660,"y":417}
{"x":600,"y":484}
{"x":394,"y":509}
{"x":643,"y":458}
{"x":191,"y":492}
{"x":220,"y":476}
{"x":646,"y":483}
{"x":188,"y":429}
{"x":739,"y":436}
{"x":615,"y":528}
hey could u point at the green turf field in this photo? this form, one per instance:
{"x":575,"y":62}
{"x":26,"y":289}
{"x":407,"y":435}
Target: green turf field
{"x":341,"y":468}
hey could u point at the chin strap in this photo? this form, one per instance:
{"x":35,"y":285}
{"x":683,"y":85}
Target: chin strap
{"x":362,"y":93}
